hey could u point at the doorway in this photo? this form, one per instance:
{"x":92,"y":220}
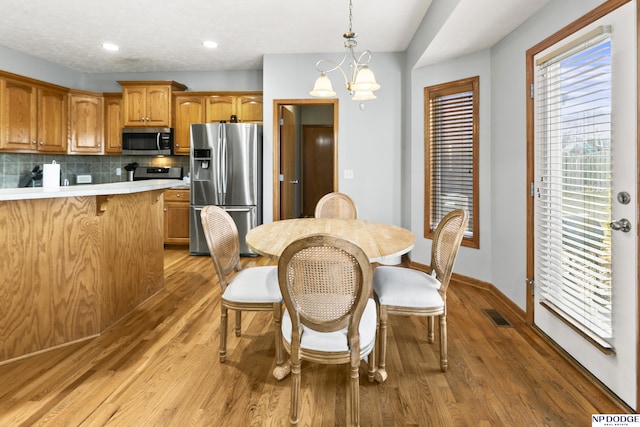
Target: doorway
{"x":305,"y":155}
{"x":582,"y":249}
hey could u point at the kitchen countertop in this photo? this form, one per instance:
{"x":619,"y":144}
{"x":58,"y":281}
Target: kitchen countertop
{"x":127,"y":187}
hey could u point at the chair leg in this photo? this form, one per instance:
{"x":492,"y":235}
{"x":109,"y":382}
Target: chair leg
{"x":294,"y":417}
{"x":223,"y":334}
{"x":443,"y":343}
{"x":430,"y":334}
{"x":381,"y":344}
{"x":238,"y":322}
{"x":282,"y":369}
{"x":373,"y":367}
{"x":353,"y":393}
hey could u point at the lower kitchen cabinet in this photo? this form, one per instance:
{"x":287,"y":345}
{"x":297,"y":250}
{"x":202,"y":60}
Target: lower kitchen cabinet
{"x":176,"y":217}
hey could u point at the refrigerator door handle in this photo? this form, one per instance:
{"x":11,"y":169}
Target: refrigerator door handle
{"x":219,"y":163}
{"x":224,"y":163}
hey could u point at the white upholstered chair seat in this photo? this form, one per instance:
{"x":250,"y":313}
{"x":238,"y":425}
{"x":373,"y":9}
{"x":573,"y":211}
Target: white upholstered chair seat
{"x":255,"y":284}
{"x":406,"y":287}
{"x":336,"y":341}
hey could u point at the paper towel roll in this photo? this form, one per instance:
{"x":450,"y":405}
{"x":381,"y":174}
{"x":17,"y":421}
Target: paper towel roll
{"x":51,"y":175}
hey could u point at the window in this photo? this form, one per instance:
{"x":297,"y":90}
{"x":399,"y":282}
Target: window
{"x":574,"y":184}
{"x":451,"y":154}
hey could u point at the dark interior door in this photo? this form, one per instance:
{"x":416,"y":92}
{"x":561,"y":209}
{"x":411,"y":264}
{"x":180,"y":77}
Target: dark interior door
{"x":317,"y":165}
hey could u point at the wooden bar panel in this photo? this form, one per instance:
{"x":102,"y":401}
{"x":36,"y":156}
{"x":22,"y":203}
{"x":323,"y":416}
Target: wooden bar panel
{"x":69,"y":268}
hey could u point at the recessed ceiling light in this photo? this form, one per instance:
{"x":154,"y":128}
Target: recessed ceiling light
{"x":210,"y":44}
{"x":110,"y":46}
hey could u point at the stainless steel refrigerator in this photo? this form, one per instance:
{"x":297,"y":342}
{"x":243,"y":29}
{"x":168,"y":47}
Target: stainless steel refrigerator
{"x":226,"y":170}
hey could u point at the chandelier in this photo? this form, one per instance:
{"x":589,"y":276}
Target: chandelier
{"x":358,"y":79}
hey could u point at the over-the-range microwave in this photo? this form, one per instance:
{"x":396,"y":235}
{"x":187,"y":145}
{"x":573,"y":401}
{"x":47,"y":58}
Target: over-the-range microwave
{"x":147,"y":141}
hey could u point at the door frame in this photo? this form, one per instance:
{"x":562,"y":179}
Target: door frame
{"x":277,"y":103}
{"x":595,"y":14}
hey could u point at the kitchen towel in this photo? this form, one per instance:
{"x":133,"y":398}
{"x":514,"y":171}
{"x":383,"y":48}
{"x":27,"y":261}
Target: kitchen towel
{"x":51,"y":176}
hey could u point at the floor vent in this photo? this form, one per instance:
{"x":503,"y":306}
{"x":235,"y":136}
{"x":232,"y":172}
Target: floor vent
{"x":496,"y":317}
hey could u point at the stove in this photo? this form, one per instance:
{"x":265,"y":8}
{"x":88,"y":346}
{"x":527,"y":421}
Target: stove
{"x":156,"y":172}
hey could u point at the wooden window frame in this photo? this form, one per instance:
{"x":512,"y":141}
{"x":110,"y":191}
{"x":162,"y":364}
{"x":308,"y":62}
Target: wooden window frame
{"x":472,"y":84}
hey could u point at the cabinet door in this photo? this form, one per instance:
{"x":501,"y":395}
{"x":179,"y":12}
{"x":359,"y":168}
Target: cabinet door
{"x":159,"y":106}
{"x":187,"y":110}
{"x":134,"y":105}
{"x":176,"y":217}
{"x":220,"y":107}
{"x":18,"y":116}
{"x":86,"y":118}
{"x":249,"y":108}
{"x":52,"y":121}
{"x":113,"y":123}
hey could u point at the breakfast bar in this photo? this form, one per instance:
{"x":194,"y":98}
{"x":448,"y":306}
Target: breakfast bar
{"x":75,"y":260}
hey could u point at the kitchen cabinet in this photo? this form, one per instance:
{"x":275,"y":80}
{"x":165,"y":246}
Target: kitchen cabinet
{"x":206,"y":107}
{"x":188,"y":109}
{"x":246,"y":107}
{"x":112,"y":123}
{"x":33,"y":116}
{"x":86,"y":122}
{"x":148,"y":103}
{"x":176,"y":216}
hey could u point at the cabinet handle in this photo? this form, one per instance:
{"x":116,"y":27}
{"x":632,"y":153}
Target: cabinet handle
{"x":34,"y":142}
{"x":178,"y":195}
{"x":41,"y":142}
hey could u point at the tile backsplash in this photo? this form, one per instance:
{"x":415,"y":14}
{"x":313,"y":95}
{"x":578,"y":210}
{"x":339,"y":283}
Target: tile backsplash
{"x":102,"y":168}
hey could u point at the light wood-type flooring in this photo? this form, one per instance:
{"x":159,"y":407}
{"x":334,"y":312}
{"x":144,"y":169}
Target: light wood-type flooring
{"x":160,"y":367}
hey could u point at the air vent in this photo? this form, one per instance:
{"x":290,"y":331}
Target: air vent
{"x":496,"y":317}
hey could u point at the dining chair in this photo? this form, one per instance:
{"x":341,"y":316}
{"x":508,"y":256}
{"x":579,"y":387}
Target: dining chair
{"x":409,"y":292}
{"x":336,"y":205}
{"x":249,"y":289}
{"x":329,"y":318}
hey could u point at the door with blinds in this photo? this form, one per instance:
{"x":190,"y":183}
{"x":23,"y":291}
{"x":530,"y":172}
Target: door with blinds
{"x":585,"y":250}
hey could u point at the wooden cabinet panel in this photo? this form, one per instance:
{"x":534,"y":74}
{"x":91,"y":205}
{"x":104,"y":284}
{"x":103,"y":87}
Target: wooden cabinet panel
{"x":32,"y":117}
{"x":187,"y":109}
{"x":148,"y":103}
{"x":18,"y":115}
{"x":249,"y":108}
{"x":220,"y":107}
{"x":159,"y":106}
{"x":134,"y":105}
{"x":86,"y":123}
{"x":176,"y":217}
{"x":113,"y":123}
{"x":52,"y":121}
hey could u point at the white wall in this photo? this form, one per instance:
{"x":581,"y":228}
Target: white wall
{"x":369,"y":139}
{"x":474,"y":263}
{"x":501,"y":259}
{"x":509,"y":186}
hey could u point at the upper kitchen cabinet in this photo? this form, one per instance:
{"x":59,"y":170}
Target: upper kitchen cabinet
{"x":247,"y":107}
{"x":148,"y":103}
{"x":207,"y":107}
{"x":33,"y":115}
{"x":112,"y":123}
{"x":187,"y":109}
{"x":86,"y":122}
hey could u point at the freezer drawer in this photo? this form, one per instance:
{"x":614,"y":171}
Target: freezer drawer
{"x":245,"y":217}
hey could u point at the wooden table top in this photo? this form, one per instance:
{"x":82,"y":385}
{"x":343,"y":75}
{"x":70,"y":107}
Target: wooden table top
{"x":381,"y":242}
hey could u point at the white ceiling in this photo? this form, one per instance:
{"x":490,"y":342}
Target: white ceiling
{"x":162,"y":35}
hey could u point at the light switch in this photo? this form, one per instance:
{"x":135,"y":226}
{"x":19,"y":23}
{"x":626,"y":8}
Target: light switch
{"x":348,"y":174}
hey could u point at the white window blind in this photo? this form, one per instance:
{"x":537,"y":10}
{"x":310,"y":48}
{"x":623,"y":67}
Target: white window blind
{"x":451,"y":155}
{"x":573,"y":184}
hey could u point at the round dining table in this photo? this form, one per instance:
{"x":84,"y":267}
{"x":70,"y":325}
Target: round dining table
{"x":383,"y":243}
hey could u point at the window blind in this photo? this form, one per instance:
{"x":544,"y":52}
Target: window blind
{"x":451,"y":156}
{"x":573,"y":185}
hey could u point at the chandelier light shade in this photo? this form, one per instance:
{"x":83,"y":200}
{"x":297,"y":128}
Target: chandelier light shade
{"x":358,"y":79}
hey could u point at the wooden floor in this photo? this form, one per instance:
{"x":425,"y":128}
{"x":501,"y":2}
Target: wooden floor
{"x":159,"y":367}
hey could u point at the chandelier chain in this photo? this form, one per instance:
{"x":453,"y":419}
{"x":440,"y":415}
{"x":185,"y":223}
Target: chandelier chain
{"x":350,"y":17}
